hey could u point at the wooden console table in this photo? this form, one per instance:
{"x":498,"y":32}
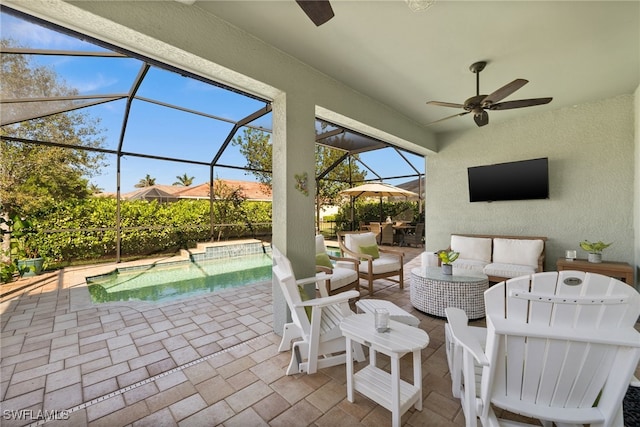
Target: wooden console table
{"x":618,"y":270}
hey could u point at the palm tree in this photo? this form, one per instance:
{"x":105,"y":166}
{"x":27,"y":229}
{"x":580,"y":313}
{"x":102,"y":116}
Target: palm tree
{"x":147,"y":181}
{"x":94,"y":189}
{"x":184,"y":180}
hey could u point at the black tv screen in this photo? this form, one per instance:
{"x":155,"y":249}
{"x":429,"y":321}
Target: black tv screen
{"x":522,"y":180}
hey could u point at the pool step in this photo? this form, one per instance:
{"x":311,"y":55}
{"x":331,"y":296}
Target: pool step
{"x":215,"y":250}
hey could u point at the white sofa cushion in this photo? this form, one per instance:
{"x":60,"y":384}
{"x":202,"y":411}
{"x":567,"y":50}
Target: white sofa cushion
{"x":384,"y":264}
{"x":354,"y":241}
{"x":320,"y":245}
{"x":346,"y":264}
{"x":469,"y":265}
{"x":508,"y":270}
{"x":517,"y":251}
{"x":340,"y":277}
{"x":477,"y":248}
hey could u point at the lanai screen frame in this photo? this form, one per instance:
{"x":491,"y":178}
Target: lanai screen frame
{"x":356,"y":144}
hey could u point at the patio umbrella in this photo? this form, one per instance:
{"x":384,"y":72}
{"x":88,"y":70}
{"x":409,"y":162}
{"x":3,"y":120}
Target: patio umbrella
{"x":377,"y":189}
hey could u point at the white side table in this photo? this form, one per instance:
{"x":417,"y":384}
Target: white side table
{"x":387,"y":389}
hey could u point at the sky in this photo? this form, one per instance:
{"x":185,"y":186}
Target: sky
{"x":158,"y":130}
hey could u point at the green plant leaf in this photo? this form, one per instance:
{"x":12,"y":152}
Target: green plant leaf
{"x":594,"y":247}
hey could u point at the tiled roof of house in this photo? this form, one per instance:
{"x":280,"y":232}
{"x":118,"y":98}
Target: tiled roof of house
{"x":153,"y":193}
{"x":248,"y":189}
{"x":170,"y":189}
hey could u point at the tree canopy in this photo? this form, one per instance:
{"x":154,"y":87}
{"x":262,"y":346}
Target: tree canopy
{"x":34,"y":176}
{"x":255,"y":146}
{"x":184,"y":180}
{"x":147,"y":181}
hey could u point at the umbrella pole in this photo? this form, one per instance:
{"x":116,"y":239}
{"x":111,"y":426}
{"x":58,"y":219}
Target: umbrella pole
{"x":353,"y":219}
{"x":381,"y":220}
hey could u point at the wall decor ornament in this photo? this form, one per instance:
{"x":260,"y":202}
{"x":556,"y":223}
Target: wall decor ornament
{"x":302,"y":183}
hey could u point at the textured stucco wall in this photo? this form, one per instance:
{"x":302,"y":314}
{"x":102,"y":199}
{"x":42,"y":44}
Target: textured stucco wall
{"x":591,"y":172}
{"x":636,"y":210}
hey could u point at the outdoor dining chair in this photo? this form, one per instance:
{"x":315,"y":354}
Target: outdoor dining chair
{"x":415,"y":238}
{"x":386,"y":234}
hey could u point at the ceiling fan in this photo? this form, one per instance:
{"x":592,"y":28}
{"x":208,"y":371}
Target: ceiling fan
{"x":319,"y":11}
{"x":479,"y":104}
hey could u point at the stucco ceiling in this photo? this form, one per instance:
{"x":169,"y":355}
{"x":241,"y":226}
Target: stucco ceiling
{"x":575,"y":52}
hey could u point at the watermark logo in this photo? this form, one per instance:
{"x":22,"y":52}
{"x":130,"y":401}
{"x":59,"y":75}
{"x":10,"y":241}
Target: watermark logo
{"x":31,"y":415}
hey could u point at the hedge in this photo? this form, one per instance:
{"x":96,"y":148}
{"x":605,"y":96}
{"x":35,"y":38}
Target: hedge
{"x":86,"y":229}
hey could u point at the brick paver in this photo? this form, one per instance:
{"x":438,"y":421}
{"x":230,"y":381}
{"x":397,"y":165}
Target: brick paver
{"x":131,"y":363}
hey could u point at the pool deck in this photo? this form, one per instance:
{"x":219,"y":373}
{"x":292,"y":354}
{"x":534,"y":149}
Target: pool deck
{"x":200,"y":361}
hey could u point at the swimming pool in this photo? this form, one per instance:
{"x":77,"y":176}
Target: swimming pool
{"x":161,"y":282}
{"x":331,"y":250}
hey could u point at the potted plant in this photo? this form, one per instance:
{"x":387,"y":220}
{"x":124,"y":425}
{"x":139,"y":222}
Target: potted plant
{"x":595,"y":249}
{"x":7,"y":268}
{"x":26,"y":256}
{"x":447,"y":258}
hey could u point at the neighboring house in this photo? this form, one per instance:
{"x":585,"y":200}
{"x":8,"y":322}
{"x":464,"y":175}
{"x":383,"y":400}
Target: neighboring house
{"x":253,"y":191}
{"x":161,"y":193}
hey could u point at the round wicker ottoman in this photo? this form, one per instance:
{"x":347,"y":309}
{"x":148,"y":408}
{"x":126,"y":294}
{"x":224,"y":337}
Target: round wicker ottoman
{"x":431,"y":291}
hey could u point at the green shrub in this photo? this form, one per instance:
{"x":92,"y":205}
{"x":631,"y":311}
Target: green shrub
{"x":86,"y":229}
{"x":370,"y":211}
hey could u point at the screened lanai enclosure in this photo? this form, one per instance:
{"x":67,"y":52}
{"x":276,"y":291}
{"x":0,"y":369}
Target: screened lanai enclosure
{"x":129,"y":121}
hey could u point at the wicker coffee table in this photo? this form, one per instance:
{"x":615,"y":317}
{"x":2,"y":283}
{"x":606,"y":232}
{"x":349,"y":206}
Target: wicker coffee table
{"x":432,"y":292}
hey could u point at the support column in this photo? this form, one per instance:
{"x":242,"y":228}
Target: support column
{"x":425,"y":204}
{"x":293,"y":196}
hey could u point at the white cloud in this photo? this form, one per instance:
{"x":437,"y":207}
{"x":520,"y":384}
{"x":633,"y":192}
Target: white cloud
{"x":98,"y":82}
{"x":32,"y":35}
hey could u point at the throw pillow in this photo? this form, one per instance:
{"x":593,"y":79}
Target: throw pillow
{"x":370,"y":250}
{"x":360,"y":239}
{"x":320,"y":245}
{"x":478,"y":248}
{"x":323,"y":260}
{"x":305,"y":297}
{"x":517,"y":251}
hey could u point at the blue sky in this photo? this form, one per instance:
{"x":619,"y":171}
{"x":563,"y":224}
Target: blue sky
{"x":161,"y":131}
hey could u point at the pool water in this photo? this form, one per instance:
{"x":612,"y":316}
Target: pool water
{"x":333,"y":251}
{"x":159,"y":282}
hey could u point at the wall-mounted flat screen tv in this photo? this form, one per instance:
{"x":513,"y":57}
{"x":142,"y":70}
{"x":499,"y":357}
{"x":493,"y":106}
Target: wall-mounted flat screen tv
{"x":521,"y":180}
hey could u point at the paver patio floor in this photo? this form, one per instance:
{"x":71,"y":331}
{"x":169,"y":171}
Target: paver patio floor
{"x":200,"y":361}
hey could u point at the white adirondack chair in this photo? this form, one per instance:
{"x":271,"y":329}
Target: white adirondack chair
{"x":560,"y":347}
{"x":319,"y":341}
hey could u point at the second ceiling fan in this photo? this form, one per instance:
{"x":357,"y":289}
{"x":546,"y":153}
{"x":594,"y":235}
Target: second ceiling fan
{"x":479,"y":104}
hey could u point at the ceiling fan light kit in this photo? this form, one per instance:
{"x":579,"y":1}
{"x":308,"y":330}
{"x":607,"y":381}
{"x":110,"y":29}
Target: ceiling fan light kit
{"x":478,"y":104}
{"x":418,"y":5}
